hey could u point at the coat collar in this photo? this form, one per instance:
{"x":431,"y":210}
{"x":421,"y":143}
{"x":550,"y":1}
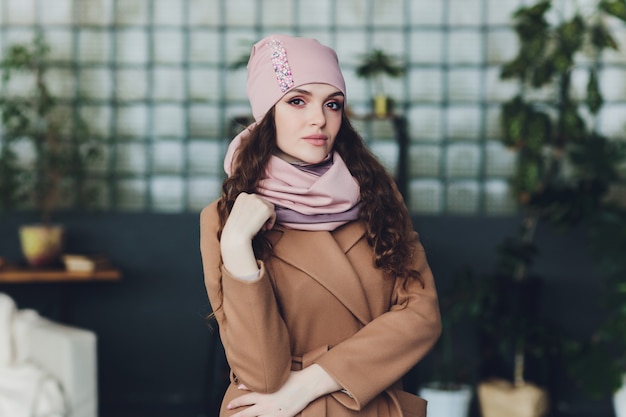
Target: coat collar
{"x":321,"y":255}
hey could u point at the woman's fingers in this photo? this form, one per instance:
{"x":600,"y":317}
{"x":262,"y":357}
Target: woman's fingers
{"x":249,"y":214}
{"x":269,"y":224}
{"x":258,"y":405}
{"x":242,"y":401}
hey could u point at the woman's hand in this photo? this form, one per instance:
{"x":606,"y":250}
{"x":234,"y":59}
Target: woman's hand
{"x":249,"y":215}
{"x":301,"y":388}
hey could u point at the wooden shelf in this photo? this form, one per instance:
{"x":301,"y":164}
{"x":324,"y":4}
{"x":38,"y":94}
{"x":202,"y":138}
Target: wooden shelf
{"x":17,"y":275}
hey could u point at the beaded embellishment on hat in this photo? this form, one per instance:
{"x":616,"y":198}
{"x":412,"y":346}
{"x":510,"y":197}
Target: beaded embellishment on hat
{"x":281,"y":65}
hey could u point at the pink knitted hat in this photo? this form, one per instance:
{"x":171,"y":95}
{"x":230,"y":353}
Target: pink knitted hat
{"x":279,"y":63}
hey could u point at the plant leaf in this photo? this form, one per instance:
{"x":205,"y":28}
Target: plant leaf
{"x":616,"y":8}
{"x":594,"y":99}
{"x":601,"y":38}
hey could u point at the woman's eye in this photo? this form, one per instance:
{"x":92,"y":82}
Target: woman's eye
{"x":335,"y":105}
{"x":296,"y":101}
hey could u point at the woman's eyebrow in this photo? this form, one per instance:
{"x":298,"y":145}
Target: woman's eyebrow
{"x":308,"y":93}
{"x":301,"y":91}
{"x":336,"y":94}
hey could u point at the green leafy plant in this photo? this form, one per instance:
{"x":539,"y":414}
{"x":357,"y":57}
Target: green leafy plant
{"x":45,"y":147}
{"x":502,"y":314}
{"x":599,"y":364}
{"x":241,"y":62}
{"x":377,"y":65}
{"x":564,"y":166}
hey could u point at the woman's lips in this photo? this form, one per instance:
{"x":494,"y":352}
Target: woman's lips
{"x":316,"y":140}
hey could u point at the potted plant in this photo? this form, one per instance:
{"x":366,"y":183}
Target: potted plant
{"x":564,"y":166}
{"x":377,"y":65}
{"x":518,"y":346}
{"x":45,"y":151}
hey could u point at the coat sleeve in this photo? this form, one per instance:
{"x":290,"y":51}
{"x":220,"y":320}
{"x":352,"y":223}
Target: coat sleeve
{"x":391,"y":344}
{"x":253,"y":334}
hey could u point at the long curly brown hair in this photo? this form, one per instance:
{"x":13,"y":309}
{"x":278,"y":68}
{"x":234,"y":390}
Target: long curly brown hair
{"x":389,"y":229}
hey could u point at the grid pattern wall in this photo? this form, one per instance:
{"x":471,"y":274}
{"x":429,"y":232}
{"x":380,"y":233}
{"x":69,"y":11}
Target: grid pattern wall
{"x":154,"y":78}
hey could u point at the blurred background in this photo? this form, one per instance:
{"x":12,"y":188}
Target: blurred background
{"x":505,"y":134}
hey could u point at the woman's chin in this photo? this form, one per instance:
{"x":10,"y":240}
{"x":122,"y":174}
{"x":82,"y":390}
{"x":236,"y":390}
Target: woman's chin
{"x":310,"y":159}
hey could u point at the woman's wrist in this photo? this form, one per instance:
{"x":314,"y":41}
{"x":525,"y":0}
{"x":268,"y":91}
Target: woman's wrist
{"x":320,"y":382}
{"x":238,"y":257}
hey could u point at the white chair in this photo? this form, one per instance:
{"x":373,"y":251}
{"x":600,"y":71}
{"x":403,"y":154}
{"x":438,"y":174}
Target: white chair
{"x":64,"y":354}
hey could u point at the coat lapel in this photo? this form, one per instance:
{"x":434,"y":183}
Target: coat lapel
{"x":322,"y":255}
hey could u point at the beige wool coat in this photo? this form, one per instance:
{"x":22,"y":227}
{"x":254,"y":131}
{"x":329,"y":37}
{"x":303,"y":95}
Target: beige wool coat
{"x":319,"y":299}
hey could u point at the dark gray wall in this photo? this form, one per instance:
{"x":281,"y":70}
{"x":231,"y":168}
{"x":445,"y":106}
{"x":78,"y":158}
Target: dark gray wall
{"x":154,"y":344}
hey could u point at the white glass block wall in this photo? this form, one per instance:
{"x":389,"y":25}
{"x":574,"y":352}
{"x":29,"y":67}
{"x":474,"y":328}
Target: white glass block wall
{"x":154,"y":78}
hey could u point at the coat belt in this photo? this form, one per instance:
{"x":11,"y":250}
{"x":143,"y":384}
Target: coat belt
{"x":300,"y":362}
{"x":318,"y":408}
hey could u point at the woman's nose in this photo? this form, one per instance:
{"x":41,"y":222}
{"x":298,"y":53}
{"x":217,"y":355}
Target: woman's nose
{"x":317,"y":117}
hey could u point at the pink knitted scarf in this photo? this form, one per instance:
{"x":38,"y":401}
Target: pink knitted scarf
{"x":306,"y":198}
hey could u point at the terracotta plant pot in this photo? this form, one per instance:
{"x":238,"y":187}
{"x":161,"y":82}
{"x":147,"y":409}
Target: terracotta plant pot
{"x":503,"y":398}
{"x":42,"y":245}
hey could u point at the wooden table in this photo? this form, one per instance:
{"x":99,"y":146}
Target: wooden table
{"x":66,"y":283}
{"x":24,"y":275}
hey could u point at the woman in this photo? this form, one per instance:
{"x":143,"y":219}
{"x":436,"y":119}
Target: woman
{"x":319,"y":285}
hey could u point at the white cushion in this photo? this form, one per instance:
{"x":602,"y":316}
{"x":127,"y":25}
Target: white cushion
{"x":28,"y":391}
{"x":7,"y":313}
{"x":33,"y":348}
{"x":67,"y":352}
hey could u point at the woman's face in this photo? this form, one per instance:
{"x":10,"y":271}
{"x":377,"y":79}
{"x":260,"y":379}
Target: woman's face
{"x":307,"y":122}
